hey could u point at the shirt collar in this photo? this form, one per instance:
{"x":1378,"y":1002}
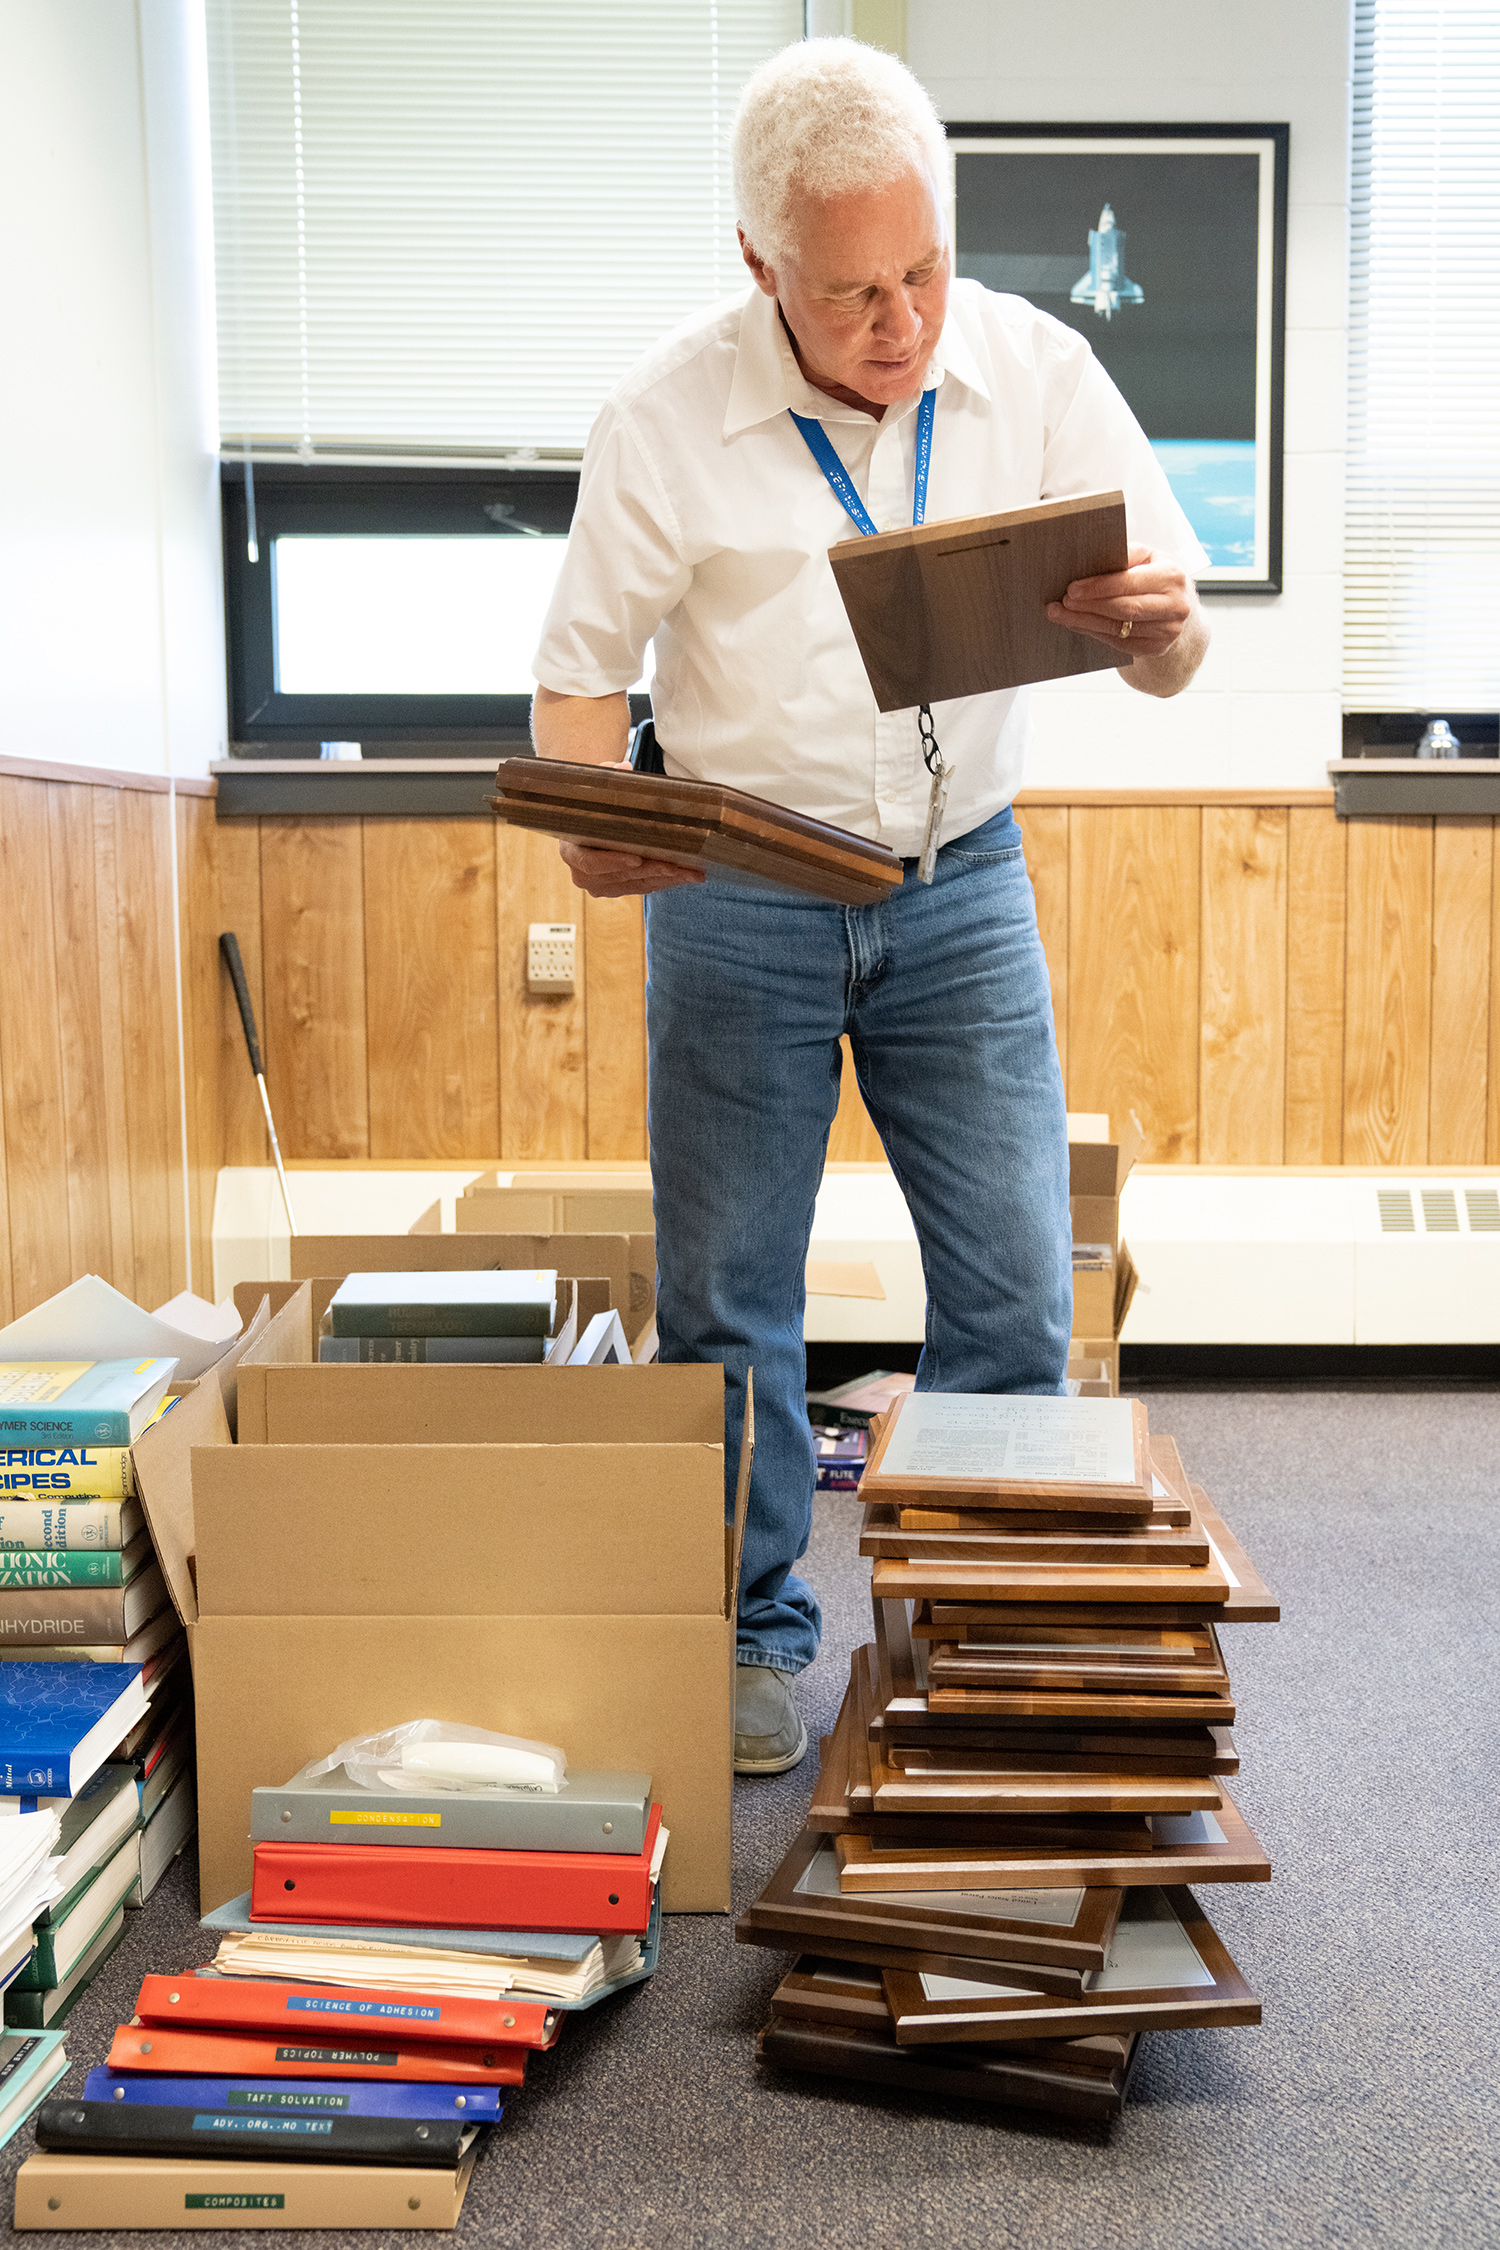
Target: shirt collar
{"x":767,"y":380}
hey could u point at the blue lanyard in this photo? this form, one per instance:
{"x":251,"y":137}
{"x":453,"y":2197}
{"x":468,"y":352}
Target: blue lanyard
{"x":821,"y":449}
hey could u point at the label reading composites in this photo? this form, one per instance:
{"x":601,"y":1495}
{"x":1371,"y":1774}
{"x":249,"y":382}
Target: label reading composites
{"x":234,"y":2203}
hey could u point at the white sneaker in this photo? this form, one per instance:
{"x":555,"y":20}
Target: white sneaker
{"x":769,"y":1736}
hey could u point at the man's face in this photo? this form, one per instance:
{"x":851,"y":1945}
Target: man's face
{"x":867,"y":288}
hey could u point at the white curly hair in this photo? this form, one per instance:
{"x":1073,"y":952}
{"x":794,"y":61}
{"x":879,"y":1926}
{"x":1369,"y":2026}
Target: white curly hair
{"x":823,"y":118}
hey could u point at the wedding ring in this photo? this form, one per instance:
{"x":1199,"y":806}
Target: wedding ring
{"x":1125,"y":629}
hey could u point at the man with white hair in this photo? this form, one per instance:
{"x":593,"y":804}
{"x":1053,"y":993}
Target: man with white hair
{"x":856,"y":380}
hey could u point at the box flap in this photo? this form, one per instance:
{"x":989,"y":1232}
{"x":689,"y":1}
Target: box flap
{"x":1101,"y":1166}
{"x":734,"y":1537}
{"x":227,"y":1368}
{"x":312,"y":1405}
{"x":460,"y":1530}
{"x":248,"y":1295}
{"x":163,"y":1469}
{"x":581,"y":1205}
{"x":1126,"y":1280}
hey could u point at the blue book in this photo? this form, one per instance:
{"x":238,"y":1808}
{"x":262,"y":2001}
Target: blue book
{"x":480,"y":2105}
{"x":78,"y":1401}
{"x":59,"y":1722}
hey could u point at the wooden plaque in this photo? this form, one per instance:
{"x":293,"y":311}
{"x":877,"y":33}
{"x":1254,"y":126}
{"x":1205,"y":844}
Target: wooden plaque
{"x":870,"y":2054}
{"x":1198,"y":1847}
{"x":700,"y":824}
{"x":889,"y":1478}
{"x":1167,"y":1968}
{"x":919,"y":1535}
{"x":960,"y":607}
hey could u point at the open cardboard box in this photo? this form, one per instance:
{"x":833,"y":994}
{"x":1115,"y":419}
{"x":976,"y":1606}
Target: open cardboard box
{"x":1099,"y":1164}
{"x":541,"y":1551}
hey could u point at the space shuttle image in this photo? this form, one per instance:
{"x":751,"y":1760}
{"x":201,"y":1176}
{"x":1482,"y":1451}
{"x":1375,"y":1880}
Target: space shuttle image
{"x":1105,"y":286}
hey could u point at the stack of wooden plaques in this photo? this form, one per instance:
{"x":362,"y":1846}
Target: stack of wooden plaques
{"x":1027,"y":1769}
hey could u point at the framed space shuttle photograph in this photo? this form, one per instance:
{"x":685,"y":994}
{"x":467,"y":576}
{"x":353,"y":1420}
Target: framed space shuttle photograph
{"x":1164,"y":245}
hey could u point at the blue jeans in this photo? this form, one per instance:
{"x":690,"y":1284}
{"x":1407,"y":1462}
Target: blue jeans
{"x":943,"y":992}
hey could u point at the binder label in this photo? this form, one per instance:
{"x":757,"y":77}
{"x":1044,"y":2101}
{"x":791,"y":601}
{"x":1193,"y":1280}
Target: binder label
{"x":234,"y":2203}
{"x":326,"y":2007}
{"x":261,"y":2097}
{"x":363,"y":2057}
{"x":215,"y":2121}
{"x":386,"y":1819}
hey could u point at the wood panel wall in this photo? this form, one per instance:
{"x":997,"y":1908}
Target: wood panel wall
{"x":91,"y":1096}
{"x":387,"y":964}
{"x":1262,"y":983}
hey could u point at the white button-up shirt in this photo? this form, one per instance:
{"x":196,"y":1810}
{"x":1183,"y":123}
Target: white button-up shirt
{"x":704,"y":522}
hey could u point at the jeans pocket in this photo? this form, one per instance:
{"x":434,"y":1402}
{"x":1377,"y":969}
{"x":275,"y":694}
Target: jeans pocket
{"x":982,"y":859}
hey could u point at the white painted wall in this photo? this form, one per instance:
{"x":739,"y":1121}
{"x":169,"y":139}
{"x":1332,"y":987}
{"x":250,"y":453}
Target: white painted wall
{"x":111,"y":610}
{"x":1264,"y":710}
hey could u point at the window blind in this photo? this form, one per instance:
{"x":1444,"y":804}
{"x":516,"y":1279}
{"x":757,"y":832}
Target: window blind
{"x":450,"y":225}
{"x":1422,"y":544}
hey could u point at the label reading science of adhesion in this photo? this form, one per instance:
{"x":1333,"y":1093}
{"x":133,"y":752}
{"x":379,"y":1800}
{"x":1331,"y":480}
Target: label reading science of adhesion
{"x":319,"y":2006}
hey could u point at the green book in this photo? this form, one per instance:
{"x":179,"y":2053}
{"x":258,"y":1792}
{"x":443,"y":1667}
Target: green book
{"x":43,"y":2009}
{"x":97,"y":1566}
{"x":71,"y":1924}
{"x":486,"y":1302}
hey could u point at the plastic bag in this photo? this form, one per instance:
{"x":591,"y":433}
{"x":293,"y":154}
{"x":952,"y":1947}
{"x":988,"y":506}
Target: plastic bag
{"x":430,"y":1755}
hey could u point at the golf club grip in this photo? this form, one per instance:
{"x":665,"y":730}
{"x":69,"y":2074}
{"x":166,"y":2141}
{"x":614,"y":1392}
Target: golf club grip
{"x":229,"y":946}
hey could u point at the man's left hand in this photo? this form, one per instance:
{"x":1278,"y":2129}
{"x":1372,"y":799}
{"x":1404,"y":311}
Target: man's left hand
{"x":1152,"y":595}
{"x":1167,"y":634}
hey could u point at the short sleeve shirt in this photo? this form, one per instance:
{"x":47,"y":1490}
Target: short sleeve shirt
{"x":704,"y":523}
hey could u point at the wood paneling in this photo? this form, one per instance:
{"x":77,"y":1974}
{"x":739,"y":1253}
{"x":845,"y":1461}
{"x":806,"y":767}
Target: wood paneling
{"x":544,"y":1108}
{"x":1388,"y":992}
{"x":614,"y":961}
{"x":31,"y":1063}
{"x":1242,"y":1009}
{"x":1317,"y":857}
{"x":430,"y":987}
{"x":853,"y":1138}
{"x":200,"y":923}
{"x":86,"y":1087}
{"x":1462,"y":880}
{"x":118,"y":1091}
{"x":1044,"y":831}
{"x":148,"y":1020}
{"x":312,"y":888}
{"x":1133,"y":909}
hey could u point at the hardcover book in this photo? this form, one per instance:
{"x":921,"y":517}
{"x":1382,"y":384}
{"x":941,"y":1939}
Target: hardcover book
{"x":59,"y":1722}
{"x":483,"y":1302}
{"x":62,"y":1523}
{"x":432,"y":1351}
{"x":66,"y":1472}
{"x":78,"y":1401}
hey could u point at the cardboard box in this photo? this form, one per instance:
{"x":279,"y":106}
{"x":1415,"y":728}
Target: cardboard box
{"x":1098,"y":1167}
{"x":614,"y":1255}
{"x":541,"y":1551}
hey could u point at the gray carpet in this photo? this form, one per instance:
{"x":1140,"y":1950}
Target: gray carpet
{"x":1362,"y":2112}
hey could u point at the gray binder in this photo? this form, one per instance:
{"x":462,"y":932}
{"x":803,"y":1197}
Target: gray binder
{"x":592,"y":1812}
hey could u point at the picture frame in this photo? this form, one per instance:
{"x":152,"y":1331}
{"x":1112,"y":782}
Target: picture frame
{"x":1168,"y":1968}
{"x":1182,"y":294}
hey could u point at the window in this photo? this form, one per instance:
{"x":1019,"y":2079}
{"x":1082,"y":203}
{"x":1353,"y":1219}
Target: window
{"x":390,"y":605}
{"x":1422,"y":544}
{"x":448,"y":225}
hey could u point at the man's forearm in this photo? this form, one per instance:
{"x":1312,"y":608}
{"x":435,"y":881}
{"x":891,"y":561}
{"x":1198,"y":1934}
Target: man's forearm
{"x":591,"y":730}
{"x":1169,"y":673}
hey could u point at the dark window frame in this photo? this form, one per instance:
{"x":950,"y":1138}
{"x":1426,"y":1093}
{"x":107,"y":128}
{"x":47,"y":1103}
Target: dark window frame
{"x":329,"y":498}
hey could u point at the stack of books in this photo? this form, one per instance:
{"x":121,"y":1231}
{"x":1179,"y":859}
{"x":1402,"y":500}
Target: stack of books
{"x":482,"y":1317}
{"x":1027,"y":1769}
{"x":371,"y":2005}
{"x":95,"y":1695}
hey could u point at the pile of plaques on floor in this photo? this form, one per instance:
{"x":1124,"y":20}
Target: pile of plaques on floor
{"x":990,"y":1894}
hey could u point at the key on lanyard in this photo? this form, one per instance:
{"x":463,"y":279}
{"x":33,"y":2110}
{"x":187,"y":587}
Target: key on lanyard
{"x":822,"y":451}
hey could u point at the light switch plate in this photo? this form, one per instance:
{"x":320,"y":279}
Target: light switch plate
{"x":551,"y":957}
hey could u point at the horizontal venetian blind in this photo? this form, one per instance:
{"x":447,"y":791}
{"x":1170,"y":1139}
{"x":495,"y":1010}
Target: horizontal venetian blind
{"x":451,"y":224}
{"x":1422,"y":545}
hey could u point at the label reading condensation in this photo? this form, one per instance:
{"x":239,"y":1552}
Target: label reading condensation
{"x":217,"y":2121}
{"x":360,"y":2057}
{"x":234,"y":2203}
{"x":318,"y":2005}
{"x":262,"y":2097}
{"x":386,"y":1819}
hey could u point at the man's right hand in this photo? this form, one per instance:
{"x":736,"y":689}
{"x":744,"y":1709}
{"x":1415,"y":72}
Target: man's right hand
{"x":611,"y":874}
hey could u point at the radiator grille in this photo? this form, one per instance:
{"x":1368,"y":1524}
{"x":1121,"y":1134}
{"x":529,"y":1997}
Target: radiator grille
{"x":1396,"y":1214}
{"x":1484,"y":1210}
{"x":1440,"y":1210}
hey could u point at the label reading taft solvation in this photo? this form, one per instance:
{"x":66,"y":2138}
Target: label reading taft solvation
{"x":258,"y":2097}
